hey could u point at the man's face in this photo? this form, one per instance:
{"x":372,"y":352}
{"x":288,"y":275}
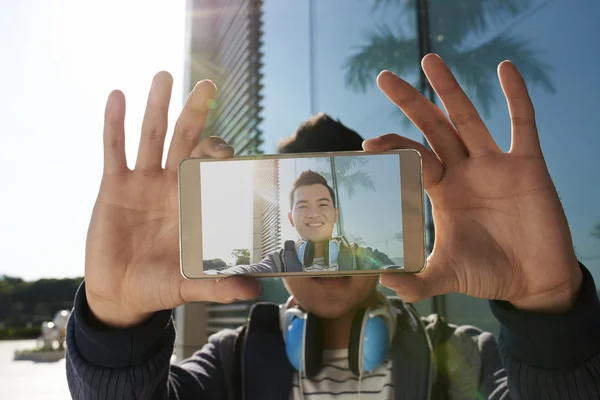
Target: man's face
{"x":313,"y":213}
{"x":331,"y":298}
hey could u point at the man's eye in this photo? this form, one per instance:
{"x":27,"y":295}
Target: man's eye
{"x":324,"y":205}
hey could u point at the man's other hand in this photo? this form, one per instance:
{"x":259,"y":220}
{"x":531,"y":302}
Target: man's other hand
{"x":132,"y":250}
{"x":501,"y":232}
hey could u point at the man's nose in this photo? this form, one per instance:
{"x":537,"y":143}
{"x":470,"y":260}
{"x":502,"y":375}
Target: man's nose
{"x":312,"y":211}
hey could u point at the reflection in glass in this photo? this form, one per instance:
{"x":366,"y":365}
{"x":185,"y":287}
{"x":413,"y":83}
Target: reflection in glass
{"x":459,"y":34}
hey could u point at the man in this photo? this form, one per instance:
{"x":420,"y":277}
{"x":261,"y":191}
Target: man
{"x":501,"y":234}
{"x":314,"y":213}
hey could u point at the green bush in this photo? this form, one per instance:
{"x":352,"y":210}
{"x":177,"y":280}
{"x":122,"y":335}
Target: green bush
{"x":20,"y":333}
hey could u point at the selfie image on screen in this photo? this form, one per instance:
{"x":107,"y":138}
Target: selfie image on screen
{"x":302,"y":215}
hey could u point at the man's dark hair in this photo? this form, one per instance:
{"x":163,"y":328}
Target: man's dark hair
{"x":308,"y":178}
{"x":321,"y":133}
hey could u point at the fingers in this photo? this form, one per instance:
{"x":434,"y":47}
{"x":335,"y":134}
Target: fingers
{"x":432,"y":281}
{"x":525,"y":139}
{"x":224,"y":290}
{"x":471,"y":129}
{"x":115,"y":161}
{"x":155,"y":124}
{"x":433,"y":169}
{"x":214,"y":147}
{"x":437,"y":129}
{"x":190,"y":123}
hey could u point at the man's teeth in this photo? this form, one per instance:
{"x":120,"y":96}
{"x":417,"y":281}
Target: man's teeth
{"x":315,"y":224}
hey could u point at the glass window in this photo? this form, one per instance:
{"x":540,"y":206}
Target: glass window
{"x":325,"y":56}
{"x":549,"y":41}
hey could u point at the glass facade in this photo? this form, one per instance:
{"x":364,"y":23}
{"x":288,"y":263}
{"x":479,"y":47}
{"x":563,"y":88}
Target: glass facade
{"x":224,"y":40}
{"x":325,"y":56}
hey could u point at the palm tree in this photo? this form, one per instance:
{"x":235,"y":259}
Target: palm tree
{"x":596,"y":231}
{"x":355,"y":239}
{"x":452,"y":23}
{"x":399,"y":236}
{"x":347,"y":173}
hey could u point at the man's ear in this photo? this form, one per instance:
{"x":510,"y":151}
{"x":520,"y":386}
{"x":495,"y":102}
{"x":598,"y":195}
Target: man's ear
{"x":337,"y":214}
{"x":290,"y":218}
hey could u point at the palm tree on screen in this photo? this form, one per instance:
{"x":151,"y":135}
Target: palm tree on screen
{"x":596,"y":231}
{"x":347,"y":173}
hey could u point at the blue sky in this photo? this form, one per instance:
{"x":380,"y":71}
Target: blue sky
{"x":60,"y":60}
{"x":63,"y":57}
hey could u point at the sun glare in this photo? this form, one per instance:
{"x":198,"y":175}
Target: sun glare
{"x":121,"y":45}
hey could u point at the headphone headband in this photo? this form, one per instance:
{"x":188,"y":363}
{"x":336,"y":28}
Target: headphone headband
{"x":384,"y":310}
{"x":286,"y":314}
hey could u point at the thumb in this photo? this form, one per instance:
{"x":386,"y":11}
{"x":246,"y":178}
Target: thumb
{"x":213,"y":146}
{"x":225,"y":290}
{"x":433,"y":281}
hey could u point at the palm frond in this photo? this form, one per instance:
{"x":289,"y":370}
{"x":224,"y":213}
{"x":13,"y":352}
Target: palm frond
{"x":596,"y":231}
{"x":476,"y":67}
{"x":343,"y":164}
{"x":384,"y":50}
{"x":456,"y":19}
{"x":358,"y":178}
{"x":325,"y":174}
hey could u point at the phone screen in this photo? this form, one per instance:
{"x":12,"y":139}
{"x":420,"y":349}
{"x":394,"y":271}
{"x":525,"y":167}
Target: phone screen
{"x":301,"y":215}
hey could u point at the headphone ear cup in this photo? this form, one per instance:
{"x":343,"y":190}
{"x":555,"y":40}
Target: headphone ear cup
{"x":300,"y":252}
{"x":354,"y":348}
{"x":375,"y":343}
{"x":313,"y":345}
{"x":327,"y":255}
{"x":309,"y":255}
{"x":334,"y":252}
{"x":294,"y":342}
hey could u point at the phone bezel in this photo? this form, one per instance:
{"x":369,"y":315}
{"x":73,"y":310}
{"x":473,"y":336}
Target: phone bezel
{"x":190,"y":206}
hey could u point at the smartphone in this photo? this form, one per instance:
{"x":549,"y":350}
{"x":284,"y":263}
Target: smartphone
{"x":310,"y":214}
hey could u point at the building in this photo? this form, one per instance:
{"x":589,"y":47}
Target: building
{"x":266,"y":219}
{"x":224,"y":44}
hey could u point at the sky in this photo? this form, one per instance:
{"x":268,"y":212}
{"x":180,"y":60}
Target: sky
{"x":226,"y":190}
{"x":63,"y":57}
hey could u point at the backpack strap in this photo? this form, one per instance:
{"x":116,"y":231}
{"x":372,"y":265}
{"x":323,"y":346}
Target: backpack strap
{"x":278,"y":260}
{"x":439,"y":332}
{"x":261,"y":369}
{"x":236,"y":383}
{"x":458,"y":358}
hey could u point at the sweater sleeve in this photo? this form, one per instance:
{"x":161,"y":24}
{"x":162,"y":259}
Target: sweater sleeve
{"x":266,"y":265}
{"x":134,"y":363}
{"x":552,"y":356}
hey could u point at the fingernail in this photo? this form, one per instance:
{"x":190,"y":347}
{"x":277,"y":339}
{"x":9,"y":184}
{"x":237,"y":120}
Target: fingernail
{"x":222,"y":145}
{"x":233,"y":299}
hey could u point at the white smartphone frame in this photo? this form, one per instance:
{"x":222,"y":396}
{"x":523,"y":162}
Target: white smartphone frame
{"x":412,"y":198}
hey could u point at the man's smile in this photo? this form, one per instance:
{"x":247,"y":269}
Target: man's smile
{"x":314,"y":224}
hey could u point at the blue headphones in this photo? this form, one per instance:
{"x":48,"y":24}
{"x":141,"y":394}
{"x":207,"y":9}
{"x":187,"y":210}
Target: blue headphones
{"x":371,"y":337}
{"x":337,"y":251}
